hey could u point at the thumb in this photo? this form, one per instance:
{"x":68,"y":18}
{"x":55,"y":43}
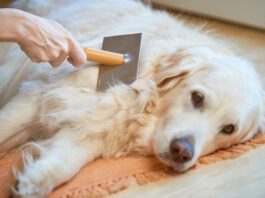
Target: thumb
{"x":77,"y":56}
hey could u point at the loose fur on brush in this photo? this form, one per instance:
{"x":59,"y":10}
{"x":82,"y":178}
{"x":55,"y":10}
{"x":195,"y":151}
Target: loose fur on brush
{"x":193,"y":92}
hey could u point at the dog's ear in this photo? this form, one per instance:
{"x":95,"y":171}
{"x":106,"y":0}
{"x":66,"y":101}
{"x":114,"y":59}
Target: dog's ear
{"x":147,"y":95}
{"x":171,"y":70}
{"x":168,"y":71}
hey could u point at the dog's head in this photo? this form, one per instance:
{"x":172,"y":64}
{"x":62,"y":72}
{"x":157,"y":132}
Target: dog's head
{"x":206,"y":101}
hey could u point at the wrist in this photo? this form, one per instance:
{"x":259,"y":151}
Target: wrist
{"x":20,"y":32}
{"x":13,"y":25}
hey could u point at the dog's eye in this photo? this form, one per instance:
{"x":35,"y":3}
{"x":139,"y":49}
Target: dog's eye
{"x":197,"y":99}
{"x":228,"y":129}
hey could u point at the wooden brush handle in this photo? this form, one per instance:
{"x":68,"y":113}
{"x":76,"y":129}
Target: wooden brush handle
{"x":104,"y":57}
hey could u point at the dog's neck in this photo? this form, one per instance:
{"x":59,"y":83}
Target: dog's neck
{"x":131,"y":128}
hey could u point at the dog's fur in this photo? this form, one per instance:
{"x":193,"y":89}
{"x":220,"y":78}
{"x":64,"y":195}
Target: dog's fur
{"x":80,"y":124}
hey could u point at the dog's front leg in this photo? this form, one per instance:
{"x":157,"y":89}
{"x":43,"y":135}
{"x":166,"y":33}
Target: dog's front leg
{"x":60,"y":159}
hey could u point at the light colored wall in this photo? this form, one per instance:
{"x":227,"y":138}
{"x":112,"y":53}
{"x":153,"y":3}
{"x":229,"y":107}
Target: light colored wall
{"x":248,"y":12}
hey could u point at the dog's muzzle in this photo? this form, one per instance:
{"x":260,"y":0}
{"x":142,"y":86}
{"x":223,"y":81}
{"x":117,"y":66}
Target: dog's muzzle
{"x":181,"y":150}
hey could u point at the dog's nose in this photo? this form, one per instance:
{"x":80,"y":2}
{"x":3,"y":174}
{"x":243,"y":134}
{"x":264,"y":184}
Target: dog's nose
{"x":181,"y":150}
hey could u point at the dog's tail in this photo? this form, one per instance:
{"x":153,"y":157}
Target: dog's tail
{"x":14,"y":67}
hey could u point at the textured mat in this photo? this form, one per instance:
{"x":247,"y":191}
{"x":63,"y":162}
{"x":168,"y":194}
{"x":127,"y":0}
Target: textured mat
{"x":104,"y":177}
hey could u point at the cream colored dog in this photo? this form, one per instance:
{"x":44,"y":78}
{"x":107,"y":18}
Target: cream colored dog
{"x":193,"y":96}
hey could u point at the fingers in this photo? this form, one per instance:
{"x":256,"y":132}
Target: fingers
{"x":58,"y":61}
{"x":77,"y":56}
{"x":73,"y":51}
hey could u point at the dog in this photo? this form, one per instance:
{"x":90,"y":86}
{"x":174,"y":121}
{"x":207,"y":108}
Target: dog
{"x":193,"y":95}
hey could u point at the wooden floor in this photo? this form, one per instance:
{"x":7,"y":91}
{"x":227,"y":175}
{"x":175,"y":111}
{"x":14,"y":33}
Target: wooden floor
{"x":243,"y":177}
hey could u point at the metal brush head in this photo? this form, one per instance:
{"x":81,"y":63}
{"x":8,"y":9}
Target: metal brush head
{"x":130,"y":46}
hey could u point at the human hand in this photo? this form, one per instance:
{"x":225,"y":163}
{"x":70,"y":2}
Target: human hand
{"x":44,"y":40}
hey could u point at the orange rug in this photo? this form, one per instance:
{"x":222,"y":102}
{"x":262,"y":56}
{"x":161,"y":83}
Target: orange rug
{"x":104,"y":177}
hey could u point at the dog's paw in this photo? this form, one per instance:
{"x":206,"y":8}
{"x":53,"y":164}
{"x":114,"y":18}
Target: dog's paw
{"x":13,"y":193}
{"x":29,"y":186}
{"x":27,"y":190}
